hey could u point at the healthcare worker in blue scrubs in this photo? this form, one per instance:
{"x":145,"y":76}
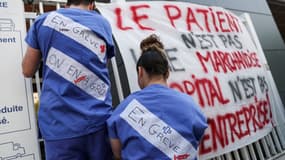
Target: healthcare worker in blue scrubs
{"x":156,"y":123}
{"x":74,"y":45}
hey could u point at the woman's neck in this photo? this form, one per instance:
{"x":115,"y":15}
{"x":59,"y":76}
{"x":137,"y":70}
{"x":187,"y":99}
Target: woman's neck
{"x":157,"y":81}
{"x":79,"y":7}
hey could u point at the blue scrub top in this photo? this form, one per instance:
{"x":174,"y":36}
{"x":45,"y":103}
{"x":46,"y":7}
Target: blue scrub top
{"x":176,"y":110}
{"x":75,"y":45}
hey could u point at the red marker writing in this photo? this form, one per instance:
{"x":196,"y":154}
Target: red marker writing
{"x":181,"y":157}
{"x":79,"y":79}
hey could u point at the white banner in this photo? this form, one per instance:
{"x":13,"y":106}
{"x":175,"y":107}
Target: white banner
{"x":212,"y":58}
{"x":18,"y":132}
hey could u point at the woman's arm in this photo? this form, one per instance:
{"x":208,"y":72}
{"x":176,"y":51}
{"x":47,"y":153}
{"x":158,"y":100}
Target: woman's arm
{"x":116,"y":148}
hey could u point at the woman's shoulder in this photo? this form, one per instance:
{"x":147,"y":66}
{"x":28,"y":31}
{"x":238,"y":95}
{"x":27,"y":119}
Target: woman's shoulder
{"x":120,"y":107}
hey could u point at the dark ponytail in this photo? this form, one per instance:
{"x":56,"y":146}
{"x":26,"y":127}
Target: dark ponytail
{"x":78,"y":2}
{"x":153,"y":58}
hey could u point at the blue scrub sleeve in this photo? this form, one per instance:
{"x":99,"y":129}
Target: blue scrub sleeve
{"x":31,"y":37}
{"x":199,"y":126}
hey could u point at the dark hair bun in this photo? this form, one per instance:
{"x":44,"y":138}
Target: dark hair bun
{"x":152,"y":42}
{"x":153,"y":57}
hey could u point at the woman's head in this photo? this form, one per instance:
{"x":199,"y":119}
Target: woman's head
{"x":89,"y":4}
{"x":78,"y":2}
{"x":152,"y":65}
